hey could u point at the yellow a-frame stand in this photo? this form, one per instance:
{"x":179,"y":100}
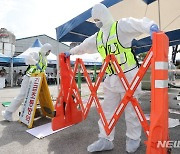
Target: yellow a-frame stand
{"x":37,"y":90}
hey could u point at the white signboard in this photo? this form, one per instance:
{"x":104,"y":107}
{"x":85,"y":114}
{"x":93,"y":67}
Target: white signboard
{"x":30,"y":101}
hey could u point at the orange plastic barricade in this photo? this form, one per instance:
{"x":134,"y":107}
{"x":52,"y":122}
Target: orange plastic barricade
{"x":70,"y":109}
{"x":67,"y":112}
{"x":159,"y":96}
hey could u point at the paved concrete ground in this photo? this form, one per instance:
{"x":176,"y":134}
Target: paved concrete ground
{"x":15,"y":140}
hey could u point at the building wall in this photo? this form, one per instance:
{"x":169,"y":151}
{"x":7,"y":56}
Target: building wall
{"x":7,"y":40}
{"x":24,"y":43}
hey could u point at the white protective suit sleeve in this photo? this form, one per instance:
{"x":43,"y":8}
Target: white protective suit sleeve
{"x":130,"y":28}
{"x":32,"y":58}
{"x":87,"y":46}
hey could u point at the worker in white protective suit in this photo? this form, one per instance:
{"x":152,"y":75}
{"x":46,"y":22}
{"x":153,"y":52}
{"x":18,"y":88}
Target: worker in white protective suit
{"x":37,"y":62}
{"x":115,"y":38}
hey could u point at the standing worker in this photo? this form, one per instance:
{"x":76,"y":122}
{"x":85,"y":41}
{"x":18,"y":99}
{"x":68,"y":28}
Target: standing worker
{"x":116,"y":38}
{"x":37,"y":62}
{"x":171,"y":72}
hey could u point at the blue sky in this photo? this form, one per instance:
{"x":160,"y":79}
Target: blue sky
{"x":27,"y":18}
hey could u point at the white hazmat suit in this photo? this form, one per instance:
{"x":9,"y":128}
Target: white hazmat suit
{"x":127,"y":30}
{"x":31,"y":59}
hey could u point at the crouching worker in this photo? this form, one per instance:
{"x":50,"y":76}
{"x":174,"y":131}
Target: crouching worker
{"x":115,"y":37}
{"x":37,"y":62}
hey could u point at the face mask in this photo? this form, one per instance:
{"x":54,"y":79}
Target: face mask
{"x":99,"y":24}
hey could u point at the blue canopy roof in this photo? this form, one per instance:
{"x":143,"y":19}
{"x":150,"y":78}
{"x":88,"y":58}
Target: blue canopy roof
{"x":144,"y":44}
{"x":37,"y":43}
{"x":149,"y":1}
{"x":75,"y":30}
{"x":77,"y":34}
{"x":4,"y":60}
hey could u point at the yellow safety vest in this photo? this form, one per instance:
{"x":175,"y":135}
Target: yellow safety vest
{"x":33,"y":68}
{"x":124,"y":56}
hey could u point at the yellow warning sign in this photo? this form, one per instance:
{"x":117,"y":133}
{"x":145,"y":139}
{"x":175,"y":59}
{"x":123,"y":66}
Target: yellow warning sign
{"x":37,"y":91}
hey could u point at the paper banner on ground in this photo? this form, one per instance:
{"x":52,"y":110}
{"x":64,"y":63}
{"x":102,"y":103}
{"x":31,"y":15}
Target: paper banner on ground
{"x":43,"y":131}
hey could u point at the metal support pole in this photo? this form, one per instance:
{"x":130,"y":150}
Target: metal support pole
{"x":79,"y":79}
{"x":95,"y":73}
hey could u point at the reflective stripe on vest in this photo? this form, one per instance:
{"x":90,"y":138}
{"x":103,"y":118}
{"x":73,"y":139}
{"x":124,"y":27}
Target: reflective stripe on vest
{"x":124,"y":55}
{"x":33,"y":68}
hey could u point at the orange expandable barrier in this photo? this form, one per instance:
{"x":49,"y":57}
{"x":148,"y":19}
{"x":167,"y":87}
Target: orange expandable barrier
{"x":67,"y":112}
{"x":70,"y":109}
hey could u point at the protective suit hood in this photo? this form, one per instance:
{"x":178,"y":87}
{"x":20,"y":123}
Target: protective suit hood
{"x":45,"y":48}
{"x":101,"y":12}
